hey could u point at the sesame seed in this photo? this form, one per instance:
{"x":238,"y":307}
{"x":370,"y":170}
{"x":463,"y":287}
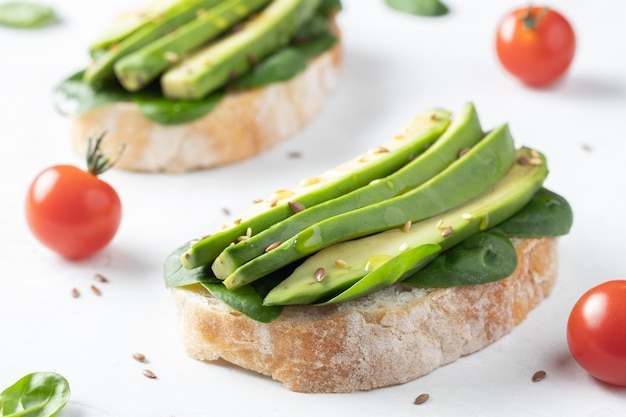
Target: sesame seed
{"x":242,"y":238}
{"x":149,"y":374}
{"x":238,"y":221}
{"x":75,"y":293}
{"x":139,"y":357}
{"x":439,"y":224}
{"x":535,"y":161}
{"x":467,"y":216}
{"x":377,"y":150}
{"x":421,"y":399}
{"x":171,"y":56}
{"x":320,"y":273}
{"x":407,"y":226}
{"x":101,"y":278}
{"x":296,"y":207}
{"x":96,"y":290}
{"x":272,"y":246}
{"x":273,"y":203}
{"x":447,"y":231}
{"x":534,"y":153}
{"x":257,"y":200}
{"x":341,"y":263}
{"x":249,"y":232}
{"x":403,"y":247}
{"x":539,"y":375}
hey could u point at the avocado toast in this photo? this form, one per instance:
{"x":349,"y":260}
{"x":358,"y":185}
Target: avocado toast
{"x":192,"y":84}
{"x":378,"y":291}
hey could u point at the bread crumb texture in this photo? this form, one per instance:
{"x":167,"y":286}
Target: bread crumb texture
{"x":386,"y":338}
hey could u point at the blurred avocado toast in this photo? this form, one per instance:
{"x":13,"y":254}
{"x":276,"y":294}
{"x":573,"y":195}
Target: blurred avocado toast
{"x":193,"y":84}
{"x":380,"y":270}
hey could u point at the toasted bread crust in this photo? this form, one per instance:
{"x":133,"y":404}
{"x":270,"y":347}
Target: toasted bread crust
{"x":387,"y":338}
{"x":241,"y":126}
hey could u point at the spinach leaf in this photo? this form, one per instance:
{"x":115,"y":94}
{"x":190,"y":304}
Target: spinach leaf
{"x":419,"y":7}
{"x":172,"y":112}
{"x":328,"y":7}
{"x":485,"y":257}
{"x":177,"y":276}
{"x":40,"y":394}
{"x":281,"y":66}
{"x":21,"y":14}
{"x":547,"y":214}
{"x":74,"y":96}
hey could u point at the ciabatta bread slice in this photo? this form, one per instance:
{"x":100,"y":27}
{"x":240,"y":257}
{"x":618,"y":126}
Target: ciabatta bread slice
{"x":387,"y":338}
{"x":242,"y":125}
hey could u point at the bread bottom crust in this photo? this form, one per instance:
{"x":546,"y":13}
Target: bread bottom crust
{"x":242,"y":125}
{"x":387,"y":338}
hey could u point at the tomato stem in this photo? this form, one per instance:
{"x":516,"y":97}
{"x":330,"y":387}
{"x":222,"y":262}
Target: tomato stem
{"x":97,"y":160}
{"x":530,"y":19}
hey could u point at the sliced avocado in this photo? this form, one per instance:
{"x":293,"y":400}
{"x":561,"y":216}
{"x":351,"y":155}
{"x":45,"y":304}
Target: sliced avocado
{"x":380,"y":260}
{"x":128,"y":23}
{"x":417,"y":136}
{"x":137,"y":69}
{"x":464,"y":179}
{"x":464,"y":132}
{"x":101,"y":69}
{"x":213,"y":66}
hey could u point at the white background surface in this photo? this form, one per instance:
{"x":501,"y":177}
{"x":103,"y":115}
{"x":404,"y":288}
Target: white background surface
{"x":395,"y":66}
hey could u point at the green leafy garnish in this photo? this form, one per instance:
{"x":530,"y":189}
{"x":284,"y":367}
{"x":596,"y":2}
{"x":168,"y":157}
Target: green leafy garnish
{"x":547,"y":214}
{"x":20,"y":14}
{"x":171,"y":112}
{"x":40,"y":394}
{"x":419,"y":7}
{"x":75,"y":97}
{"x":281,"y":66}
{"x":482,"y":258}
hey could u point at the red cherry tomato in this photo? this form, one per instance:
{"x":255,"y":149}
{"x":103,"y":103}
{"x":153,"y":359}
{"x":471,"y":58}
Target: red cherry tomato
{"x":596,"y":332}
{"x":535,"y":44}
{"x":72,"y":211}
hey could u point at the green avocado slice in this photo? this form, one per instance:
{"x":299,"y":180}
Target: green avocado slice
{"x":137,"y":69}
{"x":467,"y":177}
{"x":417,"y":136}
{"x":225,"y":59}
{"x":464,"y":132}
{"x":378,"y":261}
{"x":101,"y":69}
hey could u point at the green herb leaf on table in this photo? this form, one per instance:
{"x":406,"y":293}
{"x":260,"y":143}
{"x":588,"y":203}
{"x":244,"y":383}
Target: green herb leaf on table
{"x":419,"y":7}
{"x":39,"y":394}
{"x":25,"y":15}
{"x":482,"y":258}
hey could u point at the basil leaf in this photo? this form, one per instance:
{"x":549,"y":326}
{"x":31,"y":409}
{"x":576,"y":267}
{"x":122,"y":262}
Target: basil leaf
{"x":419,"y":7}
{"x":25,"y":14}
{"x":281,"y":66}
{"x":172,"y":112}
{"x":484,"y":257}
{"x":547,"y":214}
{"x":245,"y":300}
{"x":40,"y":394}
{"x":74,"y":96}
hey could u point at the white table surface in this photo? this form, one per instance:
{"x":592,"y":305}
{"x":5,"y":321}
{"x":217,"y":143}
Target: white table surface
{"x":395,"y":66}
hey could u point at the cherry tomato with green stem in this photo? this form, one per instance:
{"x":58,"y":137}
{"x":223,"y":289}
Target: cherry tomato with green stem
{"x":596,"y":332}
{"x":71,"y":210}
{"x":536,"y":45}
